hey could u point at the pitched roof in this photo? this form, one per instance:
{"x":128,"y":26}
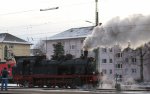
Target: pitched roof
{"x":8,"y":38}
{"x":81,"y":32}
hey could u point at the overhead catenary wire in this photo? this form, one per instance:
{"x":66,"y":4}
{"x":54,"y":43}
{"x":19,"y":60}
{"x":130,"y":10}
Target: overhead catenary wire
{"x":9,"y":29}
{"x":63,"y":6}
{"x":17,"y":12}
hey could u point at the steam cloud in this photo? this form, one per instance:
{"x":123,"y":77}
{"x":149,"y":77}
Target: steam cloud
{"x":134,"y":29}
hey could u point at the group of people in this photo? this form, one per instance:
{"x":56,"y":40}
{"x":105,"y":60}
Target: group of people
{"x":4,"y":79}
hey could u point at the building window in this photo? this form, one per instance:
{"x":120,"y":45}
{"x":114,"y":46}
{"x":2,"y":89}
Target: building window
{"x":119,"y":55}
{"x":120,"y":77}
{"x":5,"y":52}
{"x":110,"y":61}
{"x":11,"y":46}
{"x":110,"y":71}
{"x":110,"y":49}
{"x":10,"y":54}
{"x":104,"y":49}
{"x":133,"y":59}
{"x":119,"y":66}
{"x":72,"y":46}
{"x":133,"y":70}
{"x":104,"y":60}
{"x":104,"y":71}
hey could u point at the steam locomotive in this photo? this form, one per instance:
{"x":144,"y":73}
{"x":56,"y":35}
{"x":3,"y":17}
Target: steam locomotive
{"x":34,"y":71}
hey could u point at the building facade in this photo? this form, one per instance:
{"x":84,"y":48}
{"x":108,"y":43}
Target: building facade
{"x":106,"y":63}
{"x":11,"y":46}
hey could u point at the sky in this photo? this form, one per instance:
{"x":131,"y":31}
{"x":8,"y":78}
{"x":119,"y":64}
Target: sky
{"x":24,"y":19}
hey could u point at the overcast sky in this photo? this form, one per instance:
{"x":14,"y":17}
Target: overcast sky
{"x":22,"y":18}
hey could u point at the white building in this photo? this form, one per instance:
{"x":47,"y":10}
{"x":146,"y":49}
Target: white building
{"x":123,"y":64}
{"x":71,"y":39}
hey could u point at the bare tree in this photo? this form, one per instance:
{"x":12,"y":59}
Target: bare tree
{"x":143,"y":52}
{"x":39,"y":48}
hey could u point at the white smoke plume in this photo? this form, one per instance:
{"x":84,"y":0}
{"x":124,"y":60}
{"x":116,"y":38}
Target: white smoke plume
{"x":134,"y":29}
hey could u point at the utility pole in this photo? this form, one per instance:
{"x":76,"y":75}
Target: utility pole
{"x":96,"y":24}
{"x":141,"y":64}
{"x":96,"y":13}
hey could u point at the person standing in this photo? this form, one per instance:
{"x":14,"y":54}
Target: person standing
{"x":4,"y":74}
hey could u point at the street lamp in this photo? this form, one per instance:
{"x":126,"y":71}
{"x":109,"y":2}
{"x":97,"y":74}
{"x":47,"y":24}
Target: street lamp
{"x":90,"y":22}
{"x":53,"y":8}
{"x":93,"y":23}
{"x":117,"y":85}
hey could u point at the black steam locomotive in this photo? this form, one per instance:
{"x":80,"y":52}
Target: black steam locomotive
{"x":38,"y":71}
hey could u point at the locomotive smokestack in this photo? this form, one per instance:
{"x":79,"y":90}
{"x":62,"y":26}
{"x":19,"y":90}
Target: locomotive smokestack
{"x":85,"y":53}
